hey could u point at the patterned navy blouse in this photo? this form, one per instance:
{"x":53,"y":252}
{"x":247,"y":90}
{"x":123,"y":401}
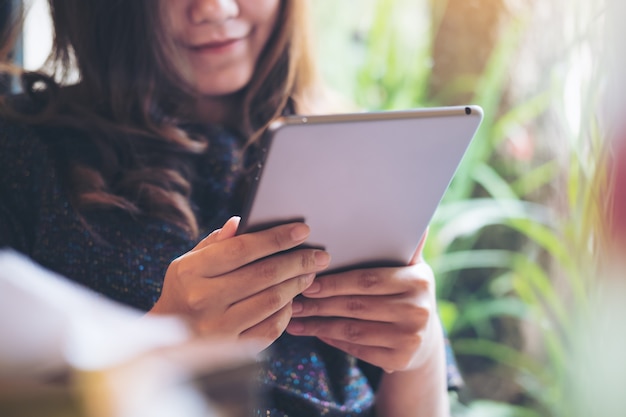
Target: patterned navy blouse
{"x":125,"y":258}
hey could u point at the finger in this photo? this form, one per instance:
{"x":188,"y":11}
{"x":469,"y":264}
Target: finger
{"x":270,"y":329}
{"x":227,"y":231}
{"x":379,"y":356}
{"x":260,"y":275}
{"x":257,"y":277}
{"x":418,"y":255}
{"x":365,"y":333}
{"x":370,"y":281}
{"x":409,"y":313}
{"x":266,"y":303}
{"x":241,"y":250}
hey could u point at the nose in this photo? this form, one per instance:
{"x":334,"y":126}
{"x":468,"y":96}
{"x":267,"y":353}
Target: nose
{"x":212,"y":11}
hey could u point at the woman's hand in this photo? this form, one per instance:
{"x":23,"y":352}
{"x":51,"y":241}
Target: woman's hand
{"x":385,"y":316}
{"x":241,"y":286}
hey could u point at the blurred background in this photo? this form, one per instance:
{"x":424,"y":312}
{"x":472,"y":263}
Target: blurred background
{"x":517,"y":241}
{"x":518,"y":244}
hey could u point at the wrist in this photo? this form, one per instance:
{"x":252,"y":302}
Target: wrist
{"x":421,"y":390}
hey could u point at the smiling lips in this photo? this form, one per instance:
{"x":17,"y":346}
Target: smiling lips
{"x":215,"y":47}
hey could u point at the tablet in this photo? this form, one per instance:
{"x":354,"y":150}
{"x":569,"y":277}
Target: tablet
{"x":367,"y":184}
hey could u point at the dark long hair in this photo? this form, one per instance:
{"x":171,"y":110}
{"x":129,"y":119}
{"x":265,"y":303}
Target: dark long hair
{"x":131,"y":99}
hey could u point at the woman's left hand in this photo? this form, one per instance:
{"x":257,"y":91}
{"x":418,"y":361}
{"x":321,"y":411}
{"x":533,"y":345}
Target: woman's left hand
{"x":384,"y":316}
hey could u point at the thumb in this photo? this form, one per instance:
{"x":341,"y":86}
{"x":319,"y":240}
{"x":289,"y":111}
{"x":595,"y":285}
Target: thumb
{"x":229,"y":229}
{"x":225,"y":232}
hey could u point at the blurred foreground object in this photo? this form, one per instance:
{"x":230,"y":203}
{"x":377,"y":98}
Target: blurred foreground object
{"x":67,"y":351}
{"x":595,"y":386}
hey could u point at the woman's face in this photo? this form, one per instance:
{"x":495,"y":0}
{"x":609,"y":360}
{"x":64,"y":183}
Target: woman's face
{"x":221,"y":40}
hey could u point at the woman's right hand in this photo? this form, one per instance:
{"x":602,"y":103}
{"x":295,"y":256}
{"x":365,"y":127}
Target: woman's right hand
{"x":242,"y":286}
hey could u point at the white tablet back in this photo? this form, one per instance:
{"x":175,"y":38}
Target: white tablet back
{"x":367,"y":184}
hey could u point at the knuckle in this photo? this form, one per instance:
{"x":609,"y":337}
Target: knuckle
{"x":368,"y":278}
{"x":275,"y":298}
{"x":277,"y":241}
{"x":355,"y":304}
{"x":275,"y":328}
{"x":181,"y":270}
{"x":352,"y":332}
{"x":194,"y":302}
{"x":420,"y":312}
{"x":417,"y":317}
{"x":306,"y":259}
{"x":422,"y":285}
{"x":266,"y":270}
{"x":414,"y":340}
{"x":422,"y":278}
{"x":183,"y":274}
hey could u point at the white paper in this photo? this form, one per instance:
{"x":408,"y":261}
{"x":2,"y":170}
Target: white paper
{"x":48,"y":323}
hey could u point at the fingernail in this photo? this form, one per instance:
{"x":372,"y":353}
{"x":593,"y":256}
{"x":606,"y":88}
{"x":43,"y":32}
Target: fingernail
{"x":300,"y":232}
{"x":313,"y":289}
{"x":321,"y":258}
{"x":297,"y":307}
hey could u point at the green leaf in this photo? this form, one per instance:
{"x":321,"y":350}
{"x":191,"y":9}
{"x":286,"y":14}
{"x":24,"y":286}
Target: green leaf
{"x":461,"y":260}
{"x":502,"y":354}
{"x":491,"y":181}
{"x":448,"y":313}
{"x":535,"y":178}
{"x":522,"y":113}
{"x":479,"y":311}
{"x":536,"y":289}
{"x":463,"y":218}
{"x":547,"y":238}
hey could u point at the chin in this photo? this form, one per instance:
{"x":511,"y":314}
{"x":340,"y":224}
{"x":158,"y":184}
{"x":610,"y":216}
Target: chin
{"x":224,"y":86}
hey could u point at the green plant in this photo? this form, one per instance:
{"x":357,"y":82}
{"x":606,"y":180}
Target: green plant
{"x":519,"y":231}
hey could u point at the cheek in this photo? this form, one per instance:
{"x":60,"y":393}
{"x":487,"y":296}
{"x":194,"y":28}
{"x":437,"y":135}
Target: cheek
{"x":260,"y":7}
{"x":262,"y":13}
{"x":173,"y":13}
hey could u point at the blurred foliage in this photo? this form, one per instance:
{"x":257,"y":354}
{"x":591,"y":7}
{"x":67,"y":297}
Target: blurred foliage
{"x":511,"y":241}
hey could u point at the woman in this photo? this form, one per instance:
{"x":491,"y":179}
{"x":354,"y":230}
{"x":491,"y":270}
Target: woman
{"x":110,"y":180}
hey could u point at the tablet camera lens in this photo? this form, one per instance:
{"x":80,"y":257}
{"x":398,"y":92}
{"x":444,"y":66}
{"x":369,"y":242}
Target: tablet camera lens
{"x":468,"y":110}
